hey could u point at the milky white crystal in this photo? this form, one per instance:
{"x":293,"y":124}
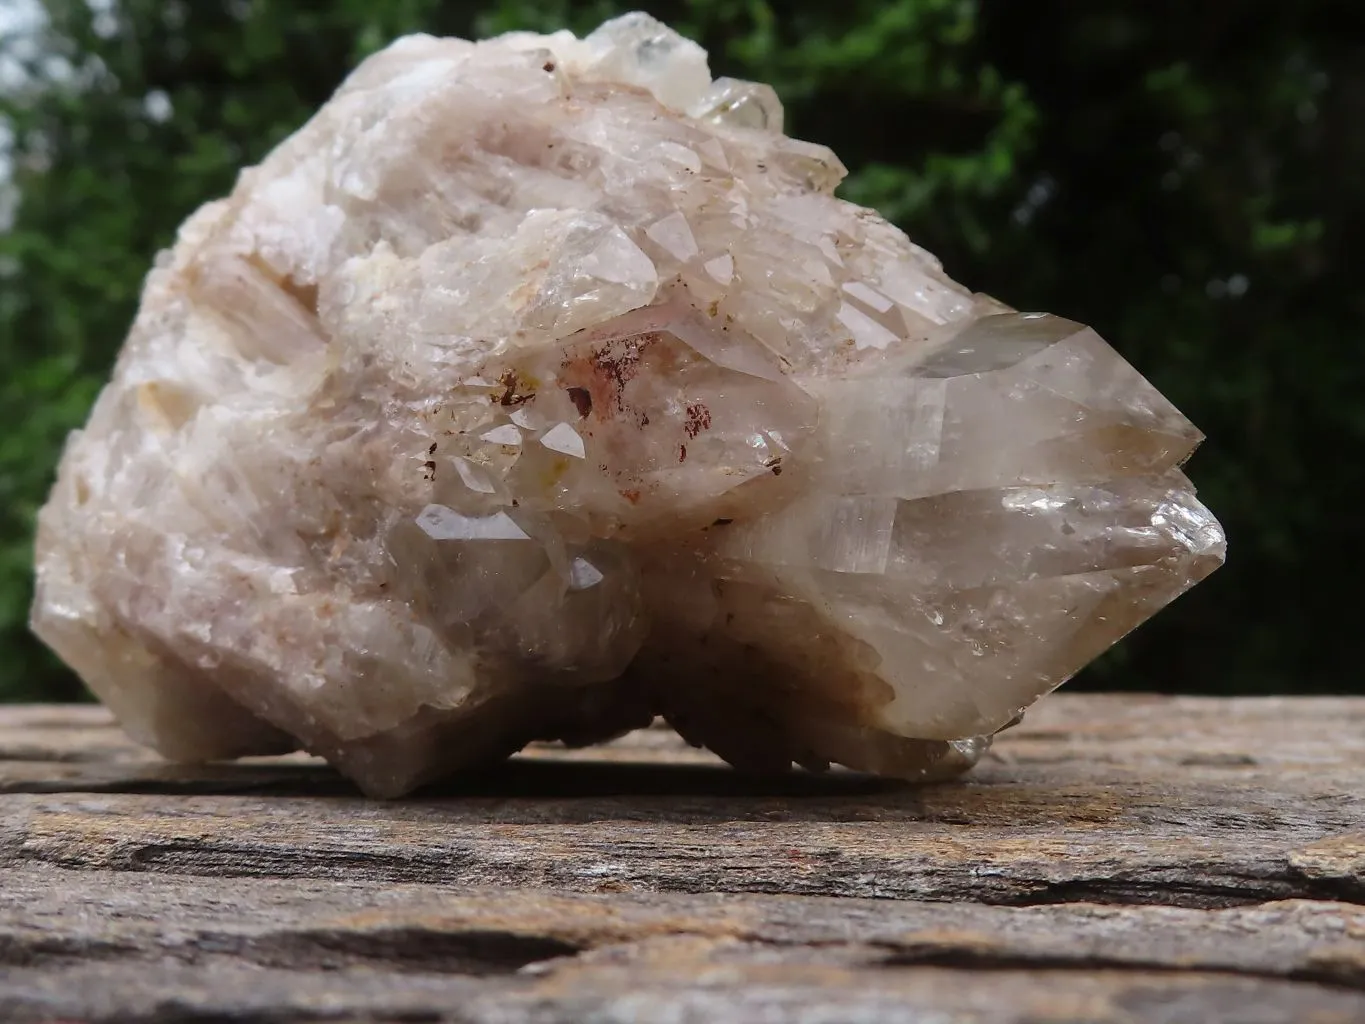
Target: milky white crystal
{"x":539,"y":386}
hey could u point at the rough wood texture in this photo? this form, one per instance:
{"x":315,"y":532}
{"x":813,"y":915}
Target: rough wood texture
{"x":1116,"y":859}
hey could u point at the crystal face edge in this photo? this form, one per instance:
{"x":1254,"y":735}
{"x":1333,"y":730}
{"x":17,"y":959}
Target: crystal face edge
{"x":540,"y":386}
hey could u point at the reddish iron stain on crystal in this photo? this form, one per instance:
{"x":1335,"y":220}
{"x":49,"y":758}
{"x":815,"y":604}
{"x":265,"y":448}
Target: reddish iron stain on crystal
{"x":509,"y":395}
{"x":698,"y":419}
{"x":582,"y":400}
{"x":617,"y":362}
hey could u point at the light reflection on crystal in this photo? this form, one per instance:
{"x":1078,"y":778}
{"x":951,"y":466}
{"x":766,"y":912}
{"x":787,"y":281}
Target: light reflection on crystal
{"x":722,"y":268}
{"x":681,"y":155}
{"x":473,"y":477}
{"x":583,"y":574}
{"x":563,"y":438}
{"x":675,"y":236}
{"x":526,"y":419}
{"x":870,"y":296}
{"x":867,"y":333}
{"x":505,"y":434}
{"x":441,"y":523}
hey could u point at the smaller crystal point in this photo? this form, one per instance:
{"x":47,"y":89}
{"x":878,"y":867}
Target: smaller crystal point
{"x":539,"y":387}
{"x":730,"y":101}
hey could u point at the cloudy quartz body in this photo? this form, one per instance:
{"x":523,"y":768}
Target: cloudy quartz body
{"x":540,"y":386}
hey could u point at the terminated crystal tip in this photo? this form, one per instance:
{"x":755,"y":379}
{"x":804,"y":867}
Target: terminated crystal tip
{"x":540,"y":386}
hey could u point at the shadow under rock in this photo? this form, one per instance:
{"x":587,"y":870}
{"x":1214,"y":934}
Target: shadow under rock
{"x":532,"y":777}
{"x":523,"y":779}
{"x":536,"y":791}
{"x":151,"y":777}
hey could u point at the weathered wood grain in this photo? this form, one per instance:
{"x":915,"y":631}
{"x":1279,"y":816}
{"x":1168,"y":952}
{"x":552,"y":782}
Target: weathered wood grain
{"x":1116,"y":859}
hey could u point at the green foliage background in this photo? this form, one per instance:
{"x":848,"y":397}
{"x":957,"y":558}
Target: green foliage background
{"x":1188,"y":177}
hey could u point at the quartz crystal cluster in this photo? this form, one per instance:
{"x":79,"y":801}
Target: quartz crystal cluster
{"x":538,"y":387}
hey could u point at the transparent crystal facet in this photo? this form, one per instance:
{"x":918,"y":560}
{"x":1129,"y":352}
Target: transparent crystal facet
{"x":730,"y":101}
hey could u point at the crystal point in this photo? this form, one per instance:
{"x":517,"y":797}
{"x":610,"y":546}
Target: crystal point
{"x":540,"y":386}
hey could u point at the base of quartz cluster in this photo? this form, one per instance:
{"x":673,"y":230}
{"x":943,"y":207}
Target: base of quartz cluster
{"x":436,"y":745}
{"x":175,"y":709}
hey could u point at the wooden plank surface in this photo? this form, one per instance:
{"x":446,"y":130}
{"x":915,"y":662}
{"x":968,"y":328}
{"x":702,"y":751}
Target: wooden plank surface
{"x":1114,"y":859}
